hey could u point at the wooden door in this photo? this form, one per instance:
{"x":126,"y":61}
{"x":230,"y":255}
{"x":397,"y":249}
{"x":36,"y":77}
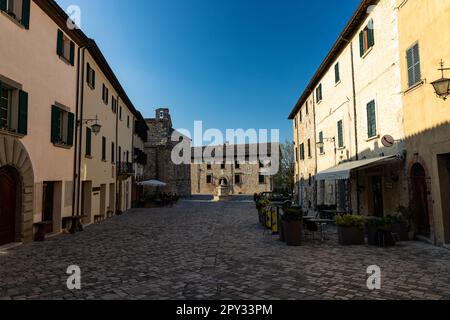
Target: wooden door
{"x":8,"y":203}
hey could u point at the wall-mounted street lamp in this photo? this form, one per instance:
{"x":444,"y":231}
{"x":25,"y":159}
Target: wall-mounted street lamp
{"x":96,"y":127}
{"x":442,"y":86}
{"x":321,"y":144}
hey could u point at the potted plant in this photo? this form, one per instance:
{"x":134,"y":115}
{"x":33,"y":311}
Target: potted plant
{"x":261,"y":206}
{"x":293,"y":226}
{"x":402,"y":224}
{"x":372,"y":225}
{"x":350,"y":229}
{"x":385,"y":235}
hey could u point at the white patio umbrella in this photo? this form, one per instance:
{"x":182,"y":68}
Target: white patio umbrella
{"x":152,"y":183}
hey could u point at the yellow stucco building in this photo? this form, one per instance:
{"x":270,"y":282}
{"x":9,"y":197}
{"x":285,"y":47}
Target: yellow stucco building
{"x":424,"y":40}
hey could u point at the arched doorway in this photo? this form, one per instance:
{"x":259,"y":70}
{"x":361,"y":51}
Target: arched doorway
{"x":223,"y":182}
{"x":9,"y":196}
{"x":419,"y":200}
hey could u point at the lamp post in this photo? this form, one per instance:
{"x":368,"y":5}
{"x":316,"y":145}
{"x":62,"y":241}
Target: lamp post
{"x":96,"y":127}
{"x":442,"y":86}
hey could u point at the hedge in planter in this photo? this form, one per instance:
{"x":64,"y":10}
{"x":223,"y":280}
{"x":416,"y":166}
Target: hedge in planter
{"x":350,"y":229}
{"x":293,"y":226}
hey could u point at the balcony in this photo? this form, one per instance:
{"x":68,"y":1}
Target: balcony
{"x":125,"y":169}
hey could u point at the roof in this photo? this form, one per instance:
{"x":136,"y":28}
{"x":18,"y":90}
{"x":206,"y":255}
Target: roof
{"x":57,"y":14}
{"x":341,"y":43}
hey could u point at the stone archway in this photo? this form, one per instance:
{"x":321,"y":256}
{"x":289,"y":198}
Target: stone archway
{"x":14,"y":155}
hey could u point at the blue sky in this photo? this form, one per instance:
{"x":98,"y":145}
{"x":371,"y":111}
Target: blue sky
{"x":229,"y":63}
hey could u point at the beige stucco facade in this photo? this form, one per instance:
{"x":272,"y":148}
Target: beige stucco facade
{"x":29,"y":62}
{"x":427,"y":117}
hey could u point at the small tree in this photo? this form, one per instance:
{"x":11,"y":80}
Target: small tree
{"x":284,"y":180}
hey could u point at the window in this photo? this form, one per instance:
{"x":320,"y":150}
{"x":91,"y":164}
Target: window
{"x":302,"y":151}
{"x":18,"y":10}
{"x":113,"y":151}
{"x":319,"y":94}
{"x":301,"y":116}
{"x":161,"y":115}
{"x":321,"y":149}
{"x":90,"y":76}
{"x":307,"y":108}
{"x":62,"y":123}
{"x":208,"y":166}
{"x":337,"y":75}
{"x":309,"y":148}
{"x":209,"y":179}
{"x":13,"y":109}
{"x":88,"y":151}
{"x":65,"y":48}
{"x":237,"y":179}
{"x":120,"y":113}
{"x":128,"y":156}
{"x":103,"y":149}
{"x":128,"y":121}
{"x":261,"y":164}
{"x":296,"y":154}
{"x":222,"y":165}
{"x":366,"y":38}
{"x":262,"y":179}
{"x":237,"y":164}
{"x":413,"y":60}
{"x":105,"y":94}
{"x":340,"y":129}
{"x":120,"y":154}
{"x":114,"y":104}
{"x":371,"y":120}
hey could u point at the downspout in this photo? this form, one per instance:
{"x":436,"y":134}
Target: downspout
{"x":77,"y":101}
{"x":355,"y":121}
{"x":117,"y":153}
{"x":78,"y":213}
{"x":315,"y":153}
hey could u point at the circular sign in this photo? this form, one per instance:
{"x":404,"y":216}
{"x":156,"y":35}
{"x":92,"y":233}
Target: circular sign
{"x":388,"y":141}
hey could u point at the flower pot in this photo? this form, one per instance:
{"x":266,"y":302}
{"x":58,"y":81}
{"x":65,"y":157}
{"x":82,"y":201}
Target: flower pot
{"x":402,"y":230}
{"x":351,"y":236}
{"x":385,"y":239}
{"x":293,"y":232}
{"x":372,"y":235}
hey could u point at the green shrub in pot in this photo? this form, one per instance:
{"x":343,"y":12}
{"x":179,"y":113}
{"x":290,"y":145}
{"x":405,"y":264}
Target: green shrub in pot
{"x":350,"y":229}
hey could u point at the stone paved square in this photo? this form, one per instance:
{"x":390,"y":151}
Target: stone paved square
{"x":202,"y":250}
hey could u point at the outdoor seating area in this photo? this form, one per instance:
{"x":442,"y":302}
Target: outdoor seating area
{"x":297,"y":227}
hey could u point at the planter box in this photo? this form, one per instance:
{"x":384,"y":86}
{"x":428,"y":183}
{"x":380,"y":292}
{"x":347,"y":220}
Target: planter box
{"x":293,"y":232}
{"x":351,"y":236}
{"x":372,"y":235}
{"x":385,"y":239}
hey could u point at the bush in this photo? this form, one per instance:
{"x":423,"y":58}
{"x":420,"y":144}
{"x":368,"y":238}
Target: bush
{"x":292,"y":214}
{"x":261,"y":204}
{"x":350,"y":221}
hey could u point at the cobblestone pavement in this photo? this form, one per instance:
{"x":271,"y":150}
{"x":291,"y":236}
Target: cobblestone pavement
{"x":202,"y":250}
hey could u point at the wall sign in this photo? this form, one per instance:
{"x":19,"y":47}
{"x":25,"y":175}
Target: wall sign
{"x":388,"y":141}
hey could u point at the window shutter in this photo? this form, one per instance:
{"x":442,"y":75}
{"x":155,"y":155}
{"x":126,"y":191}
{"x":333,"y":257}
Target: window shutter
{"x":88,"y":141}
{"x":417,"y":73}
{"x":54,"y":130}
{"x":371,"y":119}
{"x":26,"y":14}
{"x":23,"y":112}
{"x":337,"y":77}
{"x":370,"y":34}
{"x":72,"y":53}
{"x":93,"y":78}
{"x":340,"y":135}
{"x":361,"y":43}
{"x":70,"y":128}
{"x":113,"y":147}
{"x":103,"y":148}
{"x":60,"y":44}
{"x":3,"y":5}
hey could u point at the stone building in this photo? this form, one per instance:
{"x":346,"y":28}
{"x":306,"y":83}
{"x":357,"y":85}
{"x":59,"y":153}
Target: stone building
{"x":241,"y":177}
{"x":159,"y":156}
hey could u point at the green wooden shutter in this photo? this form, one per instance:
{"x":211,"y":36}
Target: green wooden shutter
{"x":337,"y":76}
{"x":93,"y":78}
{"x":361,"y":43}
{"x":113,"y":157}
{"x":70,"y":128}
{"x":23,"y":113}
{"x":60,"y":44}
{"x":72,"y":53}
{"x":103,"y":148}
{"x":26,"y":14}
{"x":370,"y":34}
{"x":3,"y":5}
{"x":371,"y":120}
{"x":88,"y":141}
{"x":340,"y":134}
{"x":55,"y":124}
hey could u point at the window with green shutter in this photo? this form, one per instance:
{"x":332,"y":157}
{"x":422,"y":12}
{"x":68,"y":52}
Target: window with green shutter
{"x":113,"y":150}
{"x":88,"y":151}
{"x":340,"y":129}
{"x":70,"y":128}
{"x":371,"y":120}
{"x":103,"y":149}
{"x":90,"y":76}
{"x":23,"y":113}
{"x":321,"y":149}
{"x":302,"y":151}
{"x":56,"y":125}
{"x":366,"y":38}
{"x":62,"y":126}
{"x":413,"y":61}
{"x":319,"y":96}
{"x":65,"y":48}
{"x":13,"y":109}
{"x":19,"y":10}
{"x":337,"y":75}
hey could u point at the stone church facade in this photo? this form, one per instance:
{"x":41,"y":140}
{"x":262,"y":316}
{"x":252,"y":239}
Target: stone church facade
{"x":159,"y":163}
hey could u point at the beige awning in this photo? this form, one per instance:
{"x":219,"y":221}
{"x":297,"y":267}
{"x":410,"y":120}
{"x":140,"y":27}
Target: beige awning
{"x":343,"y":171}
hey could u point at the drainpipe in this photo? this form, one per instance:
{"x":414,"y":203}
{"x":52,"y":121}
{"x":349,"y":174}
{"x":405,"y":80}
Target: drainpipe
{"x":315,"y":152}
{"x":355,"y":120}
{"x":117,"y":154}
